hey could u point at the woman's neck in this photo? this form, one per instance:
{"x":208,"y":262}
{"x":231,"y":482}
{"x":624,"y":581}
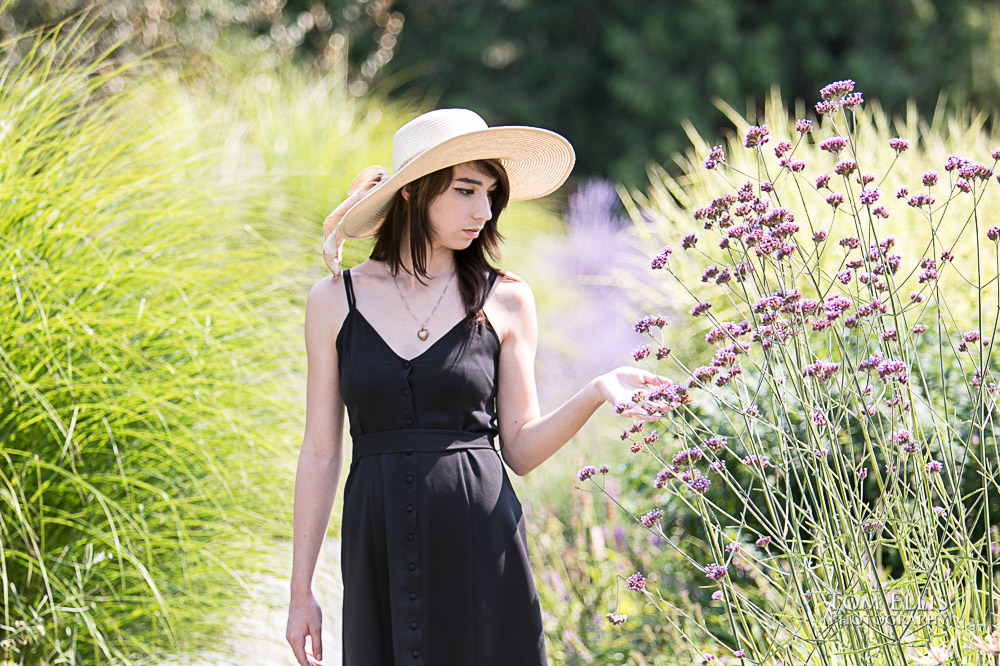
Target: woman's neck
{"x":440,"y":265}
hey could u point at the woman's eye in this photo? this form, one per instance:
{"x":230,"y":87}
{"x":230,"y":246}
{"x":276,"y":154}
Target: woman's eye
{"x":463,"y":192}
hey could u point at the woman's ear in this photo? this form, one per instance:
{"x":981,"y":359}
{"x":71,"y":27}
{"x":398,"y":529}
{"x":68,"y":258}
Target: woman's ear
{"x":405,"y":192}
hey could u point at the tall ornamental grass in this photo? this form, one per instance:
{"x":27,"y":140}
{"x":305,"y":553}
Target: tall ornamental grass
{"x":825,"y":466}
{"x":149,"y":329}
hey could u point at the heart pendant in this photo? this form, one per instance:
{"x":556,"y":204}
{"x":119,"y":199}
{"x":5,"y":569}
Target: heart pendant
{"x":422,"y":334}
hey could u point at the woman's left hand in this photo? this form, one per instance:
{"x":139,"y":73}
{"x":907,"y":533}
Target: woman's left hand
{"x":620,"y":386}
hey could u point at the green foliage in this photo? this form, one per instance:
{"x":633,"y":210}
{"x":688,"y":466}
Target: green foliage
{"x":617,"y":77}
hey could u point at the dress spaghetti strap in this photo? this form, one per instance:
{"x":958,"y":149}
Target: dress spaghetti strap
{"x":349,"y":287}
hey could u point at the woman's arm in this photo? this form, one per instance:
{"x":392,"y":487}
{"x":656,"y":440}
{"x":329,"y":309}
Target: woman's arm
{"x":529,"y":438}
{"x":319,"y":465}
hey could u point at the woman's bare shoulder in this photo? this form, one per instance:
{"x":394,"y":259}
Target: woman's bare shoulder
{"x":513,"y":292}
{"x":326,"y":307}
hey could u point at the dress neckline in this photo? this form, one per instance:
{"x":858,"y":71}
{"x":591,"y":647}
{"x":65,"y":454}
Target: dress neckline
{"x":392,"y":351}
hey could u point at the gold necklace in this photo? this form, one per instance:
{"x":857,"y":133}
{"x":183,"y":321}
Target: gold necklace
{"x":423,"y":332}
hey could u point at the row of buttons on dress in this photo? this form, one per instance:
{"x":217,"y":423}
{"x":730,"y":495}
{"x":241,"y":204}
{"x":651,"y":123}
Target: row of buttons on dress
{"x":409,"y":421}
{"x":411,"y":535}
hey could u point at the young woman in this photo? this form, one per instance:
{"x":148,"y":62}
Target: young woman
{"x":431,"y":350}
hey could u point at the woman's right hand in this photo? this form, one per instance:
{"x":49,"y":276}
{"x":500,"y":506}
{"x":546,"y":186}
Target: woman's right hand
{"x":305,"y":618}
{"x":368,"y":178}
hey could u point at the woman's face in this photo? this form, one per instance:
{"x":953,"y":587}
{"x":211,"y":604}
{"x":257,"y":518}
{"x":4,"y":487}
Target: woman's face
{"x":458,"y":214}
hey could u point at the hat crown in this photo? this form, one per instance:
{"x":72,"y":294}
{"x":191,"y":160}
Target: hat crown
{"x":430,"y":129}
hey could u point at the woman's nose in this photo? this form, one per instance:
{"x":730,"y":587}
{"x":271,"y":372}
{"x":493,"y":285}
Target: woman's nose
{"x":483,"y":211}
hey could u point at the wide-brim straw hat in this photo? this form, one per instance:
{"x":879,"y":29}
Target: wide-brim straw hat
{"x":537,"y":162}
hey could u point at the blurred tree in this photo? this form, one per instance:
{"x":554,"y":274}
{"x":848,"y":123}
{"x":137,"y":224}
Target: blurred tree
{"x":616,"y":77}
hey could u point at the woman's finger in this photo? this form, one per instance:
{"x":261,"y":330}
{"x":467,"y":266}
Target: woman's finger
{"x":299,"y":648}
{"x":315,"y":634}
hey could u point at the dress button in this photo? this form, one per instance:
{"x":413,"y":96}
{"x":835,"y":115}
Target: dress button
{"x":410,"y":537}
{"x":406,"y":364}
{"x":416,"y":653}
{"x":409,"y":478}
{"x":412,"y":567}
{"x":413,"y":625}
{"x":409,"y":422}
{"x":413,"y":595}
{"x":409,"y":508}
{"x":406,"y":391}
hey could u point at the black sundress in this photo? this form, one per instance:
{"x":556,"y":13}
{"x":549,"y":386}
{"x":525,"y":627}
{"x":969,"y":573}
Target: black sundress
{"x":434,"y":556}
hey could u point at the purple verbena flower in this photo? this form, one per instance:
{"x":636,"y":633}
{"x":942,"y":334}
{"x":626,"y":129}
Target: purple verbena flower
{"x":603,"y":469}
{"x":636,"y":582}
{"x":648,"y":322}
{"x":763,"y":542}
{"x":899,"y":145}
{"x":640,"y":353}
{"x":717,"y":595}
{"x":587,"y":472}
{"x":845,"y":167}
{"x":993,"y":233}
{"x":868,"y":197}
{"x":756,"y":136}
{"x":660,"y":260}
{"x":616,"y":619}
{"x":934,"y":466}
{"x":715,"y":571}
{"x":803,"y":126}
{"x":929,"y":178}
{"x":699,"y":309}
{"x":835,"y":199}
{"x":700,"y":484}
{"x":834,"y":144}
{"x":649,"y":519}
{"x":782,"y":148}
{"x":837,"y":89}
{"x":902,"y":192}
{"x":918,"y":200}
{"x":819,"y":236}
{"x":754,"y":459}
{"x":881,"y":211}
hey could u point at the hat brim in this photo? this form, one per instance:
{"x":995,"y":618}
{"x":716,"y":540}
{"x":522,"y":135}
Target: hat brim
{"x":536,"y":160}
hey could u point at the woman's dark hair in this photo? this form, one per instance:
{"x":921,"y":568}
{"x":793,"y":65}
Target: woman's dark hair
{"x":473,"y":268}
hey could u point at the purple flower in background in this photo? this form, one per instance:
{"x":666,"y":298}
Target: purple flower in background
{"x":715,"y":571}
{"x":868,"y":197}
{"x":756,"y":136}
{"x":823,"y":180}
{"x":640,"y":352}
{"x":845,"y":167}
{"x":824,"y":108}
{"x":954,"y":162}
{"x":763,"y":541}
{"x":852,"y":100}
{"x":649,"y":519}
{"x":804,"y":126}
{"x":700,"y":484}
{"x":835,"y":199}
{"x":636,"y":582}
{"x":603,"y":469}
{"x":929,"y":178}
{"x":740,"y":654}
{"x":616,"y":619}
{"x":837,"y":89}
{"x":902,"y":192}
{"x":993,"y":233}
{"x":934,"y":466}
{"x":963,"y":185}
{"x":899,"y":145}
{"x":782,"y":148}
{"x":660,"y":260}
{"x":819,"y":236}
{"x":587,"y":472}
{"x":834,"y":144}
{"x":717,"y":595}
{"x":689,"y":241}
{"x":918,"y":200}
{"x":699,"y":309}
{"x":881,"y":211}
